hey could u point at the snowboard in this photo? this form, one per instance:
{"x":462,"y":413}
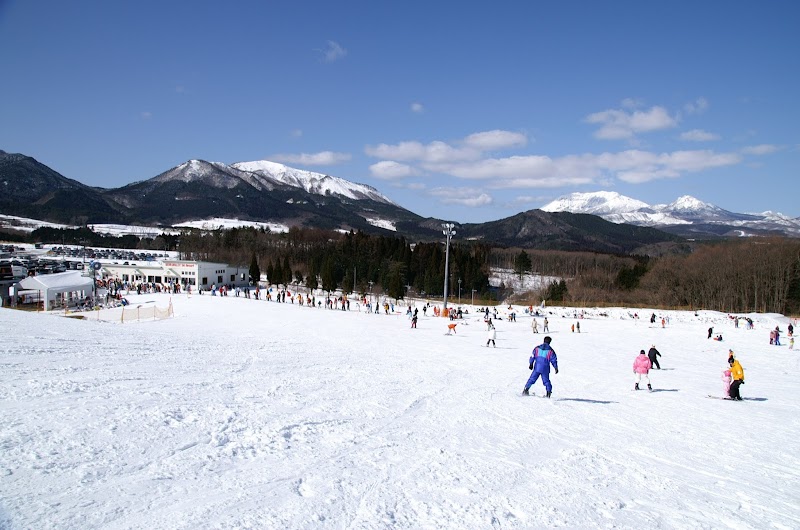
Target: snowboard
{"x":722,"y":398}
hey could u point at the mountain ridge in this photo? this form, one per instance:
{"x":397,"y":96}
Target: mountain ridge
{"x":685,"y":215}
{"x":264,"y":191}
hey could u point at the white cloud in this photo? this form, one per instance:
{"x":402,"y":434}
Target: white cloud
{"x":697,"y":106}
{"x":536,"y":171}
{"x":632,"y":103}
{"x":466,"y":149}
{"x":673,"y":165}
{"x":698,"y":135}
{"x":417,"y":108}
{"x":432,"y":152}
{"x":620,"y":124}
{"x":497,"y":139}
{"x":389,"y":169}
{"x":333,"y":52}
{"x":763,"y":149}
{"x":468,"y":161}
{"x":463,"y":196}
{"x":312,"y":159}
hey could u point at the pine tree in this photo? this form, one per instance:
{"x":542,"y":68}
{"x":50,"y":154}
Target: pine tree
{"x":255,"y":271}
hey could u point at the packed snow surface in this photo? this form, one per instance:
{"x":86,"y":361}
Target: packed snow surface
{"x":239,"y":413}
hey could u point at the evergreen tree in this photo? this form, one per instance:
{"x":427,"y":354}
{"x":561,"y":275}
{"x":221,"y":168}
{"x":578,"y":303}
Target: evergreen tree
{"x":328,"y":280}
{"x":271,"y":273}
{"x":522,"y":263}
{"x":347,"y":282}
{"x":286,"y":271}
{"x":255,"y":271}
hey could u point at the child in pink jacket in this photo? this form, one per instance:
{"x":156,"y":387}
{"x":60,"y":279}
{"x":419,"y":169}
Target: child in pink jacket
{"x":641,"y":366}
{"x":726,"y":383}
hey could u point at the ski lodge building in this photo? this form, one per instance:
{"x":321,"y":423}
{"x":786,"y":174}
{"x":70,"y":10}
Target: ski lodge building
{"x":195,"y":273}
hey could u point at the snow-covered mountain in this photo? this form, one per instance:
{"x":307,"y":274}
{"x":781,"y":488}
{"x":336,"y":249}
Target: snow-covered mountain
{"x":686,"y":210}
{"x":315,"y":183}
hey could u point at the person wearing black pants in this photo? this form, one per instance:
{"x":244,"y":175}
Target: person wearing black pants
{"x":652,"y":354}
{"x":737,"y":373}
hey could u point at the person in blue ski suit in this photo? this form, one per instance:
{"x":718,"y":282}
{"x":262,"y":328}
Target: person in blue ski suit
{"x":541,"y":359}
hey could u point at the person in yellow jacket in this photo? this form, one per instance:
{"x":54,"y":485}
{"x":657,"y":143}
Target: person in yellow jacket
{"x":737,"y":374}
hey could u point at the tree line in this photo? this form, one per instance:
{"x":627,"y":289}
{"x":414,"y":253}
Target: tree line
{"x":756,"y":274}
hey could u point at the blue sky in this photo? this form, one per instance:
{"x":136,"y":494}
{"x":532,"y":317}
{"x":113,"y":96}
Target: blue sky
{"x":467,"y":111}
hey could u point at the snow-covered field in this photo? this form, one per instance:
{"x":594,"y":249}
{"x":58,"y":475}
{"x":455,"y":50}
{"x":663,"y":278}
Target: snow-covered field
{"x":250,"y":414}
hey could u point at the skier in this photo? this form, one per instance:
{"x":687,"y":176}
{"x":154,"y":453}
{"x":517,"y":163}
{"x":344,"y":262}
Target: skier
{"x":737,"y":373}
{"x":652,"y":353}
{"x":491,"y":335}
{"x":726,"y":383}
{"x":711,"y":332}
{"x":578,"y":326}
{"x":535,"y":326}
{"x":541,"y":359}
{"x":546,"y":328}
{"x":414,"y":321}
{"x":641,"y":365}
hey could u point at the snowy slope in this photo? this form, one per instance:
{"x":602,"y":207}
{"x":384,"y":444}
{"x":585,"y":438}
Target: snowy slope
{"x":316,"y":183}
{"x":597,"y":203}
{"x":685,"y":210}
{"x":284,"y":416}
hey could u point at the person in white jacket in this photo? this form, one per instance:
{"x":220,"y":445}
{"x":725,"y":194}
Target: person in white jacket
{"x":491,"y":335}
{"x":535,"y":325}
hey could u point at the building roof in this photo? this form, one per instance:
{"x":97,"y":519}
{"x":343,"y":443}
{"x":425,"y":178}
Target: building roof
{"x":60,"y":282}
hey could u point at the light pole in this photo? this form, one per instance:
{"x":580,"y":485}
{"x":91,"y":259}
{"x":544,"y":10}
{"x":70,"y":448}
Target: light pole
{"x":370,"y":297}
{"x":448,"y":233}
{"x":459,"y":291}
{"x":473,"y":299}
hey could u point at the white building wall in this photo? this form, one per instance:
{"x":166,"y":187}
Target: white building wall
{"x":192,"y":273}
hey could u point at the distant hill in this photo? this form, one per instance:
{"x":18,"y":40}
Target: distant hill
{"x":686,"y":216}
{"x":264,"y":191}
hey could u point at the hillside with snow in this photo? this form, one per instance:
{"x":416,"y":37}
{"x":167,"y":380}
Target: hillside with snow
{"x":243,"y":413}
{"x":686,"y":210}
{"x":312,"y":182}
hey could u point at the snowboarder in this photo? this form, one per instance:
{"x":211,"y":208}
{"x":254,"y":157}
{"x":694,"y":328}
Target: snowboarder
{"x":451,"y":327}
{"x":578,"y":326}
{"x":641,"y":366}
{"x":491,"y":335}
{"x":546,"y":328}
{"x":414,"y":321}
{"x":737,"y":373}
{"x":535,"y":326}
{"x":710,"y":332}
{"x":541,"y":359}
{"x":652,"y":353}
